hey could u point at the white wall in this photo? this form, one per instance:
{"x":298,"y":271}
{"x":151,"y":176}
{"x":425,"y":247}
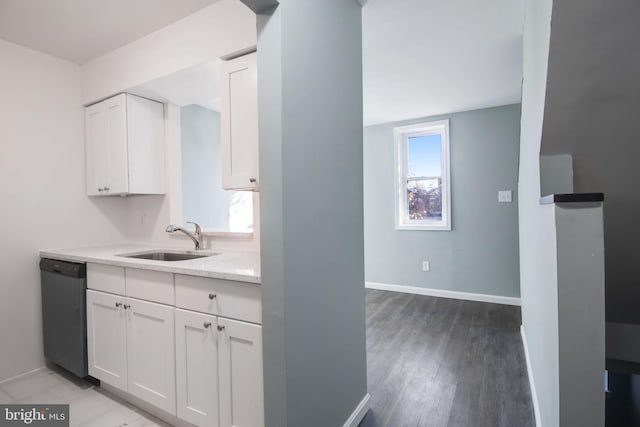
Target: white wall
{"x":42,"y":174}
{"x":42,"y":185}
{"x":538,"y":278}
{"x":224,"y":28}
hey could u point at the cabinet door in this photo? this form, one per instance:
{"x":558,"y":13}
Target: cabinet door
{"x":106,"y":338}
{"x":239,"y":123}
{"x":197,"y":368}
{"x":150,"y":353}
{"x":96,"y":148}
{"x":106,"y":147}
{"x":145,"y":127}
{"x":117,"y":158}
{"x":241,"y":380}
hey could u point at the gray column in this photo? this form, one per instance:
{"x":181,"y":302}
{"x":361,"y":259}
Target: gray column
{"x":310,"y":104}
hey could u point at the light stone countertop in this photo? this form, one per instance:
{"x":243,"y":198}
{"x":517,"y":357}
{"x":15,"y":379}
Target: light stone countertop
{"x":229,"y":265}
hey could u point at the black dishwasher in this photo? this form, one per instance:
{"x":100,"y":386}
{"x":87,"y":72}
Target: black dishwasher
{"x":64,"y":318}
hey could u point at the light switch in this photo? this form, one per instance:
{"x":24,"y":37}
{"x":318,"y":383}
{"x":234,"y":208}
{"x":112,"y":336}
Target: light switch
{"x":504,"y":196}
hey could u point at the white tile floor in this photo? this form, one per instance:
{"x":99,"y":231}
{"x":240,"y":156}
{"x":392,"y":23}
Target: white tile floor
{"x":88,"y":405}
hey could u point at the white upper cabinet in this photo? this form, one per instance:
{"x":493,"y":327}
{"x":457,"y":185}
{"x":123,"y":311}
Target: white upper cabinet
{"x":239,"y":123}
{"x":125,"y":146}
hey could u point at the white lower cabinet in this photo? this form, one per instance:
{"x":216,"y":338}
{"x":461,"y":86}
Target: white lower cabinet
{"x":131,"y":347}
{"x":199,"y":360}
{"x":219,"y":371}
{"x":107,"y":338}
{"x":197,"y":368}
{"x":241,"y":380}
{"x":150,"y":353}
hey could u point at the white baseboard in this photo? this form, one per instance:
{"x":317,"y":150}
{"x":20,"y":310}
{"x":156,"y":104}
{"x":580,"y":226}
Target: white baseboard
{"x":358,"y":414}
{"x":532,"y":384}
{"x":141,"y":404}
{"x":22,"y":375}
{"x":495,"y":299}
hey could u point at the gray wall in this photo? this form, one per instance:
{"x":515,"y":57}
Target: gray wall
{"x":203,"y":199}
{"x":309,"y":57}
{"x":538,"y":278}
{"x":556,"y":174}
{"x":592,"y":113}
{"x":480,"y":253}
{"x":580,"y":262}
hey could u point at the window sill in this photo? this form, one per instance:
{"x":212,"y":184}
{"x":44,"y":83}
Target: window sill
{"x":425,"y":227}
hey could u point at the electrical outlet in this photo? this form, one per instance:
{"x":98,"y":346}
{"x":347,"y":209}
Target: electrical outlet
{"x":426,"y":266}
{"x":504,"y":196}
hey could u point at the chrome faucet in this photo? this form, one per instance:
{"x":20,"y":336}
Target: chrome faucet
{"x":196,"y":236}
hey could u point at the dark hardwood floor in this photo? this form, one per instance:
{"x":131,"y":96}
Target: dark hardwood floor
{"x":445,"y":363}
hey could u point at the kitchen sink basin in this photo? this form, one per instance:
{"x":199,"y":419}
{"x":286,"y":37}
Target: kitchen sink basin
{"x":169,"y":256}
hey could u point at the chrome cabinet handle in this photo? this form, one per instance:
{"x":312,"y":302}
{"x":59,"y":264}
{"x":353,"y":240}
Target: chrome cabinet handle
{"x":118,"y":304}
{"x":127,"y":306}
{"x":252,"y":180}
{"x":220,"y":328}
{"x":213,"y":296}
{"x":207,"y":324}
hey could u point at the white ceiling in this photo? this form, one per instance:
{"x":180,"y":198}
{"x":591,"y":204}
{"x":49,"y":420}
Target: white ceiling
{"x":420,"y":57}
{"x":80,"y":30}
{"x":428,"y":57}
{"x":196,"y":85}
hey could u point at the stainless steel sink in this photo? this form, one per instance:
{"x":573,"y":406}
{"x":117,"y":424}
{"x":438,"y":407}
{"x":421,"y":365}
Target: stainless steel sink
{"x":169,"y":256}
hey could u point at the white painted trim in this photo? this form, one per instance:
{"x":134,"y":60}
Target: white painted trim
{"x":358,"y":414}
{"x":228,"y":234}
{"x":442,"y":293}
{"x":22,"y":375}
{"x":532,"y":384}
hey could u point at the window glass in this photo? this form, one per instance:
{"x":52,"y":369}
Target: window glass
{"x":425,"y":156}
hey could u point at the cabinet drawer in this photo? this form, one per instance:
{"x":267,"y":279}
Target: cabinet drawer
{"x":236,"y":300}
{"x":156,"y":286}
{"x":106,"y":278}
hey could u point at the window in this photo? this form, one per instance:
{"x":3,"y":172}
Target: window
{"x":423,"y":192}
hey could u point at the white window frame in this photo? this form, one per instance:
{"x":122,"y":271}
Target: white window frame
{"x":401,"y":137}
